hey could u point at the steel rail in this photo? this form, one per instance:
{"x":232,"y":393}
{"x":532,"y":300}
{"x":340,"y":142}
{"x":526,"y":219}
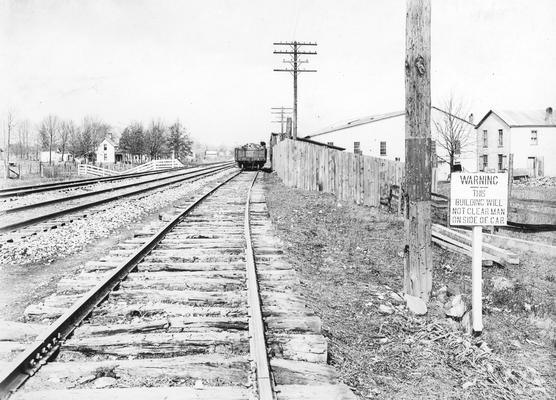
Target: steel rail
{"x":96,"y":192}
{"x":45,"y":187}
{"x":45,"y":217}
{"x":46,"y":345}
{"x":257,"y":339}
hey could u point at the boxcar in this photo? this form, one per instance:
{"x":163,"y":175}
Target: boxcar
{"x":250,"y":156}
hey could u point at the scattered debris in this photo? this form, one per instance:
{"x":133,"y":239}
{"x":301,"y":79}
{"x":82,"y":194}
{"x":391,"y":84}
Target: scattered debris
{"x":500,"y":283}
{"x":396,"y":298}
{"x":104,"y":381}
{"x":455,"y":308}
{"x":442,"y":294}
{"x":385,"y":310}
{"x":415,"y":305}
{"x":544,"y":181}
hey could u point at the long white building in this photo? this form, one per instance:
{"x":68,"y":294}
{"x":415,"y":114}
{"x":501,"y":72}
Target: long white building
{"x":384,"y":136}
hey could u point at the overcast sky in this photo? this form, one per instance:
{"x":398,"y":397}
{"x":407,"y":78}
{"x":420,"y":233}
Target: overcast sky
{"x":209,"y":63}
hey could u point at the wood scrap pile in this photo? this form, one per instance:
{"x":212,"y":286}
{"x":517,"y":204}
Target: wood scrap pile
{"x":460,"y":242}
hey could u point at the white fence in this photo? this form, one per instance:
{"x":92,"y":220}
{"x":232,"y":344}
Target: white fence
{"x":154,"y":165}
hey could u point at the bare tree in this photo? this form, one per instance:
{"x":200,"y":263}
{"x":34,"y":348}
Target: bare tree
{"x":132,"y":139}
{"x":155,"y":139}
{"x":10,"y":125}
{"x":23,"y":129}
{"x":178,"y":141}
{"x":74,"y":144}
{"x":454,"y":133}
{"x":48,"y":131}
{"x":68,"y":130}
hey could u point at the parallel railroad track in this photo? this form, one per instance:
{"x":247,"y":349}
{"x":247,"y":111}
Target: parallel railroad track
{"x":205,"y":308}
{"x":20,"y":217}
{"x":62,"y":185}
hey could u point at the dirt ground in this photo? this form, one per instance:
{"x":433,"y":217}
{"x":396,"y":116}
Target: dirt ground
{"x":351,"y":262}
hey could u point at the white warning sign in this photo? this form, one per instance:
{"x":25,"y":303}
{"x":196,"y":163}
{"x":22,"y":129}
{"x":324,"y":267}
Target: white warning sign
{"x":479,"y":199}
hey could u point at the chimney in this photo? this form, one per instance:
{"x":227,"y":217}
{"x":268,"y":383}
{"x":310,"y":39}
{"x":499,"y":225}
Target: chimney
{"x":548,"y":116}
{"x":471,"y":118}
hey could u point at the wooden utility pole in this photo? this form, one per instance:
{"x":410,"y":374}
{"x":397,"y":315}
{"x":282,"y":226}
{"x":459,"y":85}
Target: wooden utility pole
{"x":10,"y":126}
{"x":294,"y":50}
{"x":282,"y":112}
{"x":418,"y":252}
{"x":510,"y":175}
{"x":288,"y":132}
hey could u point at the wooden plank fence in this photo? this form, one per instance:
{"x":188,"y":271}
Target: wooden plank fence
{"x":351,"y":177}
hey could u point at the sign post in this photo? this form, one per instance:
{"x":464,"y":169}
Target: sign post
{"x":478,"y":199}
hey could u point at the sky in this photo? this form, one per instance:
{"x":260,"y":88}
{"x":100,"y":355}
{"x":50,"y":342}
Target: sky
{"x":210,"y":63}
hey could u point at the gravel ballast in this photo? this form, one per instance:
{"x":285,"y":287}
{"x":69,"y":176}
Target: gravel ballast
{"x":100,"y":222}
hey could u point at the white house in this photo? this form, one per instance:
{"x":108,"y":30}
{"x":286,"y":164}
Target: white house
{"x":106,"y":151}
{"x":529,"y":135}
{"x":55,"y":156}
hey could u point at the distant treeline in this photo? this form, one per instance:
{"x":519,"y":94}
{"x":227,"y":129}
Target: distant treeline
{"x":54,"y":134}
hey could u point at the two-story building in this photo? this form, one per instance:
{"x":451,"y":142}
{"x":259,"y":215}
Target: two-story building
{"x":107,"y":151}
{"x":529,"y":135}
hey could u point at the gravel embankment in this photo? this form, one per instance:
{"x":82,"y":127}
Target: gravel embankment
{"x":101,"y":222}
{"x":19,"y":201}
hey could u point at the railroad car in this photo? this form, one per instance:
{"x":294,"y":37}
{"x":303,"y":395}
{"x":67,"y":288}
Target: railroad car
{"x":251,"y":156}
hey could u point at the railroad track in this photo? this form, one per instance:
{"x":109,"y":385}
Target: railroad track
{"x":203,"y":308}
{"x":47,"y":187}
{"x":20,"y":217}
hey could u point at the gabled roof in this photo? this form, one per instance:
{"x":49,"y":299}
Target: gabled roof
{"x":331,"y":146}
{"x":520,"y":118}
{"x":109,"y":140}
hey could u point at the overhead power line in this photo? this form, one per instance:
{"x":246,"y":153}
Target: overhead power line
{"x":375,"y":118}
{"x":283,"y":113}
{"x":294,"y":50}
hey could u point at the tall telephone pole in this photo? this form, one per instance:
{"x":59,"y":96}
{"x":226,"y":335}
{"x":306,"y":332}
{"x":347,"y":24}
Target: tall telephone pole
{"x":282,"y":113}
{"x":418,"y":174}
{"x":294,"y":49}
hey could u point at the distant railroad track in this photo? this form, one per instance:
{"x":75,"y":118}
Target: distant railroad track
{"x":20,"y":217}
{"x":204,"y":308}
{"x":45,"y":187}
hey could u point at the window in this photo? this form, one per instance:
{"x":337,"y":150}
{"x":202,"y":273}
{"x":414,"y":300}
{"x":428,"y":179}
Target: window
{"x":485,"y":138}
{"x":500,"y":162}
{"x":357,"y":148}
{"x":105,"y":147}
{"x":485,"y":161}
{"x":500,"y":138}
{"x":534,"y":138}
{"x":105,"y":157}
{"x":397,"y":158}
{"x":382,"y":148}
{"x":457,"y":147}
